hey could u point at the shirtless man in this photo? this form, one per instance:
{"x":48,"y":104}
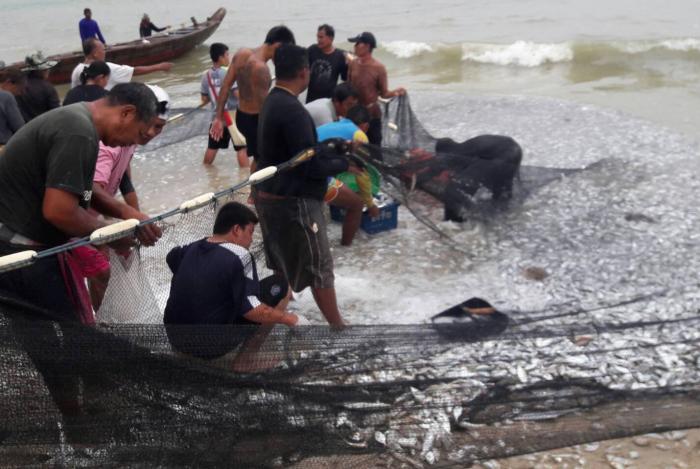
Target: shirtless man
{"x":249,"y":70}
{"x":368,"y":76}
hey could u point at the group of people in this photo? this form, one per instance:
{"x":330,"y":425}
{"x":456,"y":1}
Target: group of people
{"x":269,"y":124}
{"x":90,"y":29}
{"x":60,"y":172}
{"x":25,"y":94}
{"x":79,"y":158}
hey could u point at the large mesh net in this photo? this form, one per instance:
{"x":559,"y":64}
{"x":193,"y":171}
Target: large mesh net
{"x":467,"y":387}
{"x":475,"y":178}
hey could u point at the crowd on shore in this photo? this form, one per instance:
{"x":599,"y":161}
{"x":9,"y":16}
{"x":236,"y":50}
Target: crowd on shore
{"x":62,"y":166}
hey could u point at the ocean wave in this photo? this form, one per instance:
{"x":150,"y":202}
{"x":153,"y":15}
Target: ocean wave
{"x":407,"y":49}
{"x":520,"y":53}
{"x":688,"y":44}
{"x":530,"y":54}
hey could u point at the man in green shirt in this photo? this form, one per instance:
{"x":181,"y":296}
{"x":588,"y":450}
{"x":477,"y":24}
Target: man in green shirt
{"x":46,"y":174}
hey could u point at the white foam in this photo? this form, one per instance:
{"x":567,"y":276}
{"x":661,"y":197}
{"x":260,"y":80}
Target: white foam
{"x":638,"y":47}
{"x":520,"y":53}
{"x":407,"y":49}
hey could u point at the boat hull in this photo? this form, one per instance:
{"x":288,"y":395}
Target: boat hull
{"x":160,"y":48}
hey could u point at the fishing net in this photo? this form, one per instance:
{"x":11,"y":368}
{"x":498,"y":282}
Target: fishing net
{"x":475,"y":179}
{"x":466,"y":387}
{"x":183,"y":124}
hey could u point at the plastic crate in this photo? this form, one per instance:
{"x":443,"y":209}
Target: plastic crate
{"x":387,"y":220}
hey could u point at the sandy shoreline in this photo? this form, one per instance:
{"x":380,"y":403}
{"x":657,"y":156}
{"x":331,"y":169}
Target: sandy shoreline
{"x":670,"y":450}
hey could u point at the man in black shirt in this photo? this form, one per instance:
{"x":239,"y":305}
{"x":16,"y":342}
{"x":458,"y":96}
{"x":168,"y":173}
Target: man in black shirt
{"x":326,"y":63}
{"x":290,"y":205}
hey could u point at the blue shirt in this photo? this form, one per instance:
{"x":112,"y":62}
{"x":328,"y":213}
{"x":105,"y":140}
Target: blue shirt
{"x":344,"y":128}
{"x":89,"y":28}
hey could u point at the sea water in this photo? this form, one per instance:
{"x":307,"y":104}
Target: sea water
{"x":612,"y":86}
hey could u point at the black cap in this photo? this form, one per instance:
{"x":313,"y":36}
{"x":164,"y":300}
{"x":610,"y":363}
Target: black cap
{"x":367,"y":38}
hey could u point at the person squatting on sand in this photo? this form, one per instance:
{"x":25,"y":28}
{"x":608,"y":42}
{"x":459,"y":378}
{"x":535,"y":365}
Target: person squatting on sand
{"x":350,"y":128}
{"x":215,"y":282}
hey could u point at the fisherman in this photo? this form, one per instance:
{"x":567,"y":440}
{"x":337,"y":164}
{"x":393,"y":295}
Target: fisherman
{"x":46,"y":174}
{"x":209,"y":92}
{"x":325,"y":110}
{"x":368,"y":76}
{"x":215,"y":281}
{"x":326,"y":63}
{"x":95,"y":50}
{"x":290,"y":205}
{"x":460,"y":169}
{"x":146,"y":27}
{"x":39,"y":95}
{"x":249,"y":70}
{"x":89,"y":29}
{"x":11,"y":83}
{"x":351,"y":128}
{"x":113,"y":163}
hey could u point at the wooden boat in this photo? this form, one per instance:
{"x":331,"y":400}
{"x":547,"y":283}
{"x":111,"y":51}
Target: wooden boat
{"x":158,"y":48}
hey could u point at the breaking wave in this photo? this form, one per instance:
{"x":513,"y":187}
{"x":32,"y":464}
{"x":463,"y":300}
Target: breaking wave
{"x":520,"y":53}
{"x":530,"y":54}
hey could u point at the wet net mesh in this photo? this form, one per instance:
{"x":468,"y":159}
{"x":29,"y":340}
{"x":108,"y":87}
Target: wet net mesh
{"x":464,"y":388}
{"x":473,"y":179}
{"x":183,"y":124}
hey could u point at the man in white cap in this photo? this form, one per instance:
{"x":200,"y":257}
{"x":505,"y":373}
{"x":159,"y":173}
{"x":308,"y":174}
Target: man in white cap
{"x":112,"y":164}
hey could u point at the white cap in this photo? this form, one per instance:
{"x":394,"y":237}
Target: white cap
{"x":163,"y":101}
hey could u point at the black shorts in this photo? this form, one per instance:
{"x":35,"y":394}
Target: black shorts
{"x":40,"y":284}
{"x":273,"y":289}
{"x":374,"y":134}
{"x":223,"y":142}
{"x":296,"y":243}
{"x":248,"y":125}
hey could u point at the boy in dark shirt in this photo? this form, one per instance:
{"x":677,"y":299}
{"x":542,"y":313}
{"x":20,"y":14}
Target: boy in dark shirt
{"x":215,"y":281}
{"x":326,"y":64}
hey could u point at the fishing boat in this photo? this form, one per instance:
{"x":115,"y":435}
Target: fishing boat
{"x":147,"y":51}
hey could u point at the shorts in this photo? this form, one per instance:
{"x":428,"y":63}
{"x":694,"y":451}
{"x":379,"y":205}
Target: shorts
{"x":40,"y":284}
{"x":333,"y":190}
{"x":91,"y":261}
{"x":273,"y":289}
{"x":374,"y":134}
{"x":248,"y":125}
{"x":223,"y":142}
{"x":296,"y":242}
{"x":220,"y":144}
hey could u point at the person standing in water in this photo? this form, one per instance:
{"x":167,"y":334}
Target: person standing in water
{"x":368,"y":76}
{"x":249,"y":70}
